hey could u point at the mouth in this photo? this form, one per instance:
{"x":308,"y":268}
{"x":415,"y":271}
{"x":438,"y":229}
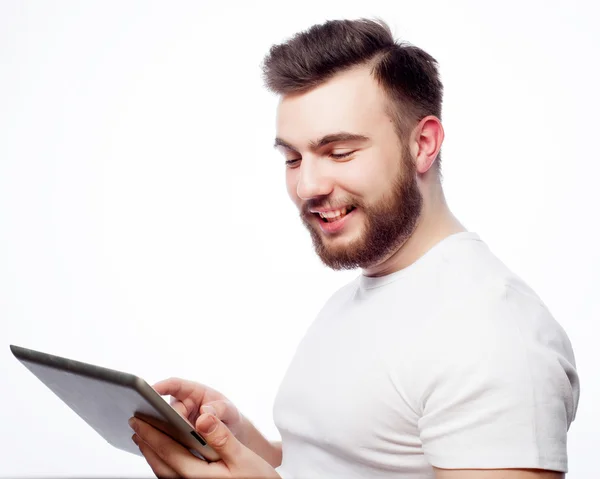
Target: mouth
{"x":334,"y":215}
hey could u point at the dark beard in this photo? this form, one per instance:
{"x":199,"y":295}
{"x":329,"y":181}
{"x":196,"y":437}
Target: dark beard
{"x":389,"y":223}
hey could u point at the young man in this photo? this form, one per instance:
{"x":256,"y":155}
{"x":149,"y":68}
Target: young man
{"x":436,"y":361}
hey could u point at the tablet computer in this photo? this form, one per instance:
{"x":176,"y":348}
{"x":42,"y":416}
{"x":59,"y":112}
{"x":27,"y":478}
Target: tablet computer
{"x":106,"y":399}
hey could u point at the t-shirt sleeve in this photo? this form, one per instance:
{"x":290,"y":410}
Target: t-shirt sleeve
{"x":500,"y":390}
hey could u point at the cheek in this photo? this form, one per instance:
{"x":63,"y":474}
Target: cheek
{"x":365,"y":179}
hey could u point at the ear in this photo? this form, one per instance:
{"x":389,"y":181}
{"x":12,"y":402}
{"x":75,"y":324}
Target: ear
{"x":428,"y":137}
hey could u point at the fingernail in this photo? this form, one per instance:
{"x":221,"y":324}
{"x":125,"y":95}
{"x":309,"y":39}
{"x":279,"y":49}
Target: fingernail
{"x":207,"y":424}
{"x":209,"y":410}
{"x":135,"y":440}
{"x":133,"y":424}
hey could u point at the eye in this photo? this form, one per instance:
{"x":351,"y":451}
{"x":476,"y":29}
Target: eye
{"x":292,"y":163}
{"x":339,"y":156}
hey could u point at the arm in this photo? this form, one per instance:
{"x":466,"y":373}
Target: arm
{"x":496,"y":474}
{"x":254,"y":440}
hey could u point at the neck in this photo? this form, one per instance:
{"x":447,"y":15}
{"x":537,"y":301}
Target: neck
{"x":435,"y":224}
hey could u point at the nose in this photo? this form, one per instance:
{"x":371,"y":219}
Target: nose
{"x":313,"y":181}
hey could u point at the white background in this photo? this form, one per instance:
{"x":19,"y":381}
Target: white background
{"x":144,"y":223}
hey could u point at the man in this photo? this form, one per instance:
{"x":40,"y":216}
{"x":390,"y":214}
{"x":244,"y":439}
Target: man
{"x":436,"y":361}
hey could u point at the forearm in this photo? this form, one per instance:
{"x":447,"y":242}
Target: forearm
{"x":269,"y":451}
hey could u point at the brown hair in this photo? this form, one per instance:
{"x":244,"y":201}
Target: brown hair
{"x":407,"y":74}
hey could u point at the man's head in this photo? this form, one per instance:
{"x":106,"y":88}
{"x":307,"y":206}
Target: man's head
{"x":357,"y":113}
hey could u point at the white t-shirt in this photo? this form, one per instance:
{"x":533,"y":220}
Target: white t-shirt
{"x":451,"y":362}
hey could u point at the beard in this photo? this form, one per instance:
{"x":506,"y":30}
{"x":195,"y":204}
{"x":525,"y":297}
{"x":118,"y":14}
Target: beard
{"x":388,"y":223}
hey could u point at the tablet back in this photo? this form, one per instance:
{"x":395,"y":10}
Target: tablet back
{"x":106,"y":399}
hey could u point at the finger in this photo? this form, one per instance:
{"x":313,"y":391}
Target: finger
{"x":179,"y":407}
{"x":181,"y":389}
{"x":189,"y":393}
{"x":173,"y":454}
{"x":189,"y":413}
{"x":223,"y":409}
{"x":158,"y":466}
{"x":219,"y":437}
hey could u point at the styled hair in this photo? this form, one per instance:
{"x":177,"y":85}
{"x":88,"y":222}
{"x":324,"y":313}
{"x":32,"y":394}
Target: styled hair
{"x":408,"y":75}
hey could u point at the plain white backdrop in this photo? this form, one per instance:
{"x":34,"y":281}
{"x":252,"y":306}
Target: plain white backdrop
{"x":144,"y":222}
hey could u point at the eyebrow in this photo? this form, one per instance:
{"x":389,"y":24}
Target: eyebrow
{"x":325,"y":140}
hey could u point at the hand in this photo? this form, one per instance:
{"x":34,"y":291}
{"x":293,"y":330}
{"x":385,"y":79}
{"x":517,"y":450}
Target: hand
{"x":191,"y":399}
{"x":168,"y":458}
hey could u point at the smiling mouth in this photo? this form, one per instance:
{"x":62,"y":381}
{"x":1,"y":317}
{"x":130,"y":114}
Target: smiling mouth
{"x":333,"y":216}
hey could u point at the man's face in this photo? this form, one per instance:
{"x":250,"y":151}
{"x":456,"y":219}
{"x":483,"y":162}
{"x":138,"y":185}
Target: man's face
{"x":353,"y":182}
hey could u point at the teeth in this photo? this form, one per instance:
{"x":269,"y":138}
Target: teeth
{"x":333,"y":214}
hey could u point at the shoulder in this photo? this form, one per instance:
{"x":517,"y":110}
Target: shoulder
{"x":482,"y":300}
{"x":472,"y":286}
{"x":499,"y":348}
{"x":490,"y":330}
{"x":497,"y":372}
{"x":488,"y":313}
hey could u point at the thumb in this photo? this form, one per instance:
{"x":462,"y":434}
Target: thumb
{"x":218,"y":436}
